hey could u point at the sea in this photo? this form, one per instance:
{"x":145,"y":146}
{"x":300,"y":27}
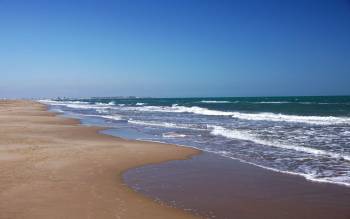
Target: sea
{"x":306,"y":136}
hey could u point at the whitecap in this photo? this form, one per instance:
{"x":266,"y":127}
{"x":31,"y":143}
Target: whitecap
{"x":246,"y":136}
{"x":274,"y":117}
{"x":113,"y":117}
{"x":214,"y":101}
{"x":173,"y":135}
{"x":164,"y":124}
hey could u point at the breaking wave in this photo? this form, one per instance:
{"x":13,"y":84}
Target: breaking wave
{"x":274,"y":117}
{"x":246,"y":136}
{"x":214,"y":101}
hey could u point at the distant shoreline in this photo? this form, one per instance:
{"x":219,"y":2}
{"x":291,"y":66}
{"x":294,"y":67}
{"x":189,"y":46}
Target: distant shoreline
{"x":189,"y":97}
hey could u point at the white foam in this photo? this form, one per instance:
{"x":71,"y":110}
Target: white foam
{"x":180,"y":109}
{"x":173,"y":135}
{"x":54,"y":102}
{"x":77,"y":104}
{"x":317,"y":120}
{"x":111,"y":103}
{"x":163,"y":124}
{"x":113,"y":117}
{"x":102,"y":110}
{"x":140,"y":104}
{"x":272,"y":102}
{"x":153,"y":123}
{"x":215,"y":101}
{"x":274,"y":117}
{"x":246,"y":136}
{"x":342,"y":180}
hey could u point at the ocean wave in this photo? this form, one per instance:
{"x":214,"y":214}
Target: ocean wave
{"x":274,"y":117}
{"x":140,"y":104}
{"x":77,"y":104}
{"x":111,"y":103}
{"x":295,"y":102}
{"x":173,"y":135}
{"x":80,"y":106}
{"x":246,"y":136}
{"x":215,"y":101}
{"x":340,"y":180}
{"x":164,"y":124}
{"x":271,"y":102}
{"x":316,"y":120}
{"x":285,"y":102}
{"x":55,"y":102}
{"x":102,"y":111}
{"x":180,"y":109}
{"x":113,"y":117}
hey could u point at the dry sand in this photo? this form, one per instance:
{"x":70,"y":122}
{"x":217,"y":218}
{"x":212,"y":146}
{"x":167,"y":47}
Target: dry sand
{"x":52,"y":167}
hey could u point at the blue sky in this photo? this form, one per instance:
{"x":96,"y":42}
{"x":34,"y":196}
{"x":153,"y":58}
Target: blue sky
{"x":174,"y":48}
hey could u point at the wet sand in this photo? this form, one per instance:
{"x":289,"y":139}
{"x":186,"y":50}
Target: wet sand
{"x":218,"y":187}
{"x":52,"y":167}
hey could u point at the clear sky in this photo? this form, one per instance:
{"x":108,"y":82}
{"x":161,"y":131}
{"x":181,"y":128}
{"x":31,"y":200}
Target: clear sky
{"x":174,"y":48}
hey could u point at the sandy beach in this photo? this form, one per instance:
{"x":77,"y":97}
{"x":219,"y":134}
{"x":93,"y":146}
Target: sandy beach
{"x":52,"y":167}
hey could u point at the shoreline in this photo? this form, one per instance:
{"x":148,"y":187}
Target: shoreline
{"x":218,"y":187}
{"x":54,"y":167}
{"x":102,"y":129}
{"x":276,"y":151}
{"x":206,"y":208}
{"x":287,"y":173}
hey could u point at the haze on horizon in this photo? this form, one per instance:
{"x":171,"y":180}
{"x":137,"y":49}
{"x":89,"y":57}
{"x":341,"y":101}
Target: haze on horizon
{"x":165,"y":48}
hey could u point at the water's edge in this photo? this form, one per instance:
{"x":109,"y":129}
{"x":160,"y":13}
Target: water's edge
{"x":112,"y":132}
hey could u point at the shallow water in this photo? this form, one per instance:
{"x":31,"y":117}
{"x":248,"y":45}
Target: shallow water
{"x":217,"y":187}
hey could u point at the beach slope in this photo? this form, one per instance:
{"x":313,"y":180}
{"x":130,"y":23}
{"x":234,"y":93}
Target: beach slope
{"x":52,"y":167}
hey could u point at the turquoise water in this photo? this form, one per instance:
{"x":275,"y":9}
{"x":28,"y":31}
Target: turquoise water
{"x":308,"y":136}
